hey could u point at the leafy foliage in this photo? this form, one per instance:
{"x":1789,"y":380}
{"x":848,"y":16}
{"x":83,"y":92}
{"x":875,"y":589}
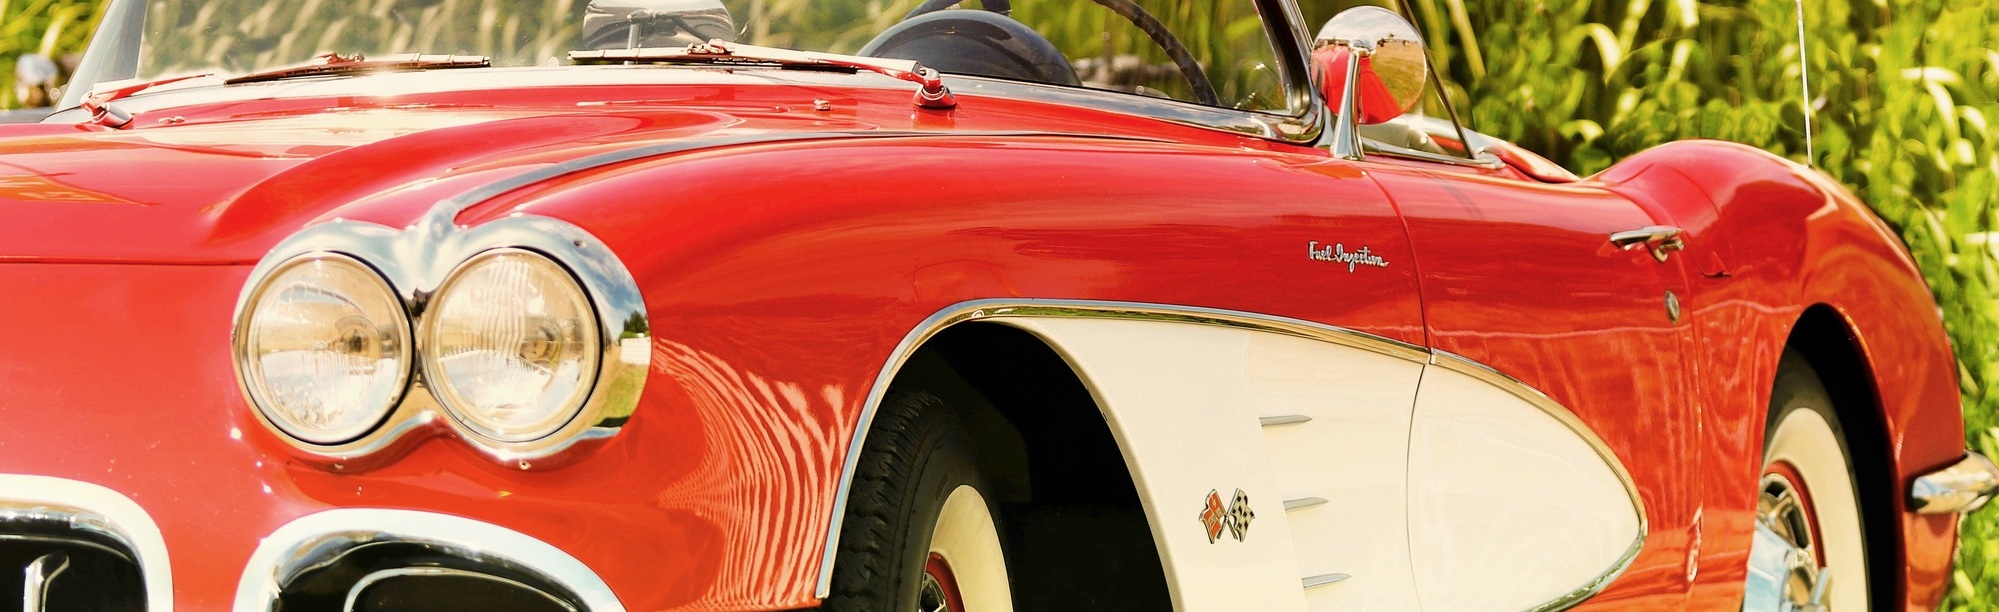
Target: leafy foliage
{"x":48,"y":27}
{"x":1902,"y":92}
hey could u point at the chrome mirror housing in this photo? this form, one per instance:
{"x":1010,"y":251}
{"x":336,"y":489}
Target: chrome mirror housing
{"x":1388,"y":79}
{"x":631,"y":24}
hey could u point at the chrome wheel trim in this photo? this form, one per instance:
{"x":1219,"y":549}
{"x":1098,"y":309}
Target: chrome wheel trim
{"x":1806,"y":554}
{"x":967,"y":541}
{"x":930,"y":595}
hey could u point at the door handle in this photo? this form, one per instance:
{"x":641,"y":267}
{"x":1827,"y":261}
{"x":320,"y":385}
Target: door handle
{"x":1662,"y":240}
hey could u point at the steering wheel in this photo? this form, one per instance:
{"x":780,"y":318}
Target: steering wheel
{"x":1138,"y":16}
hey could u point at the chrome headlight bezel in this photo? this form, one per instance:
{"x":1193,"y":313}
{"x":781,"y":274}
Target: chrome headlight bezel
{"x":416,"y":262}
{"x":456,"y":401}
{"x":253,"y":376}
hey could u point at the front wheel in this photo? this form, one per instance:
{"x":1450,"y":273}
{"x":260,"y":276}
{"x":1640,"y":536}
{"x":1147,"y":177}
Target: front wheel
{"x":919,"y":535}
{"x":1809,"y":551}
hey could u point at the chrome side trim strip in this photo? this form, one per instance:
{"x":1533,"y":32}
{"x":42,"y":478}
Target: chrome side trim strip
{"x":1962,"y":487}
{"x":313,"y":539}
{"x":1001,"y":308}
{"x":1323,"y":580}
{"x":1303,"y":503}
{"x":1281,"y":420}
{"x":95,"y":508}
{"x":1575,"y":424}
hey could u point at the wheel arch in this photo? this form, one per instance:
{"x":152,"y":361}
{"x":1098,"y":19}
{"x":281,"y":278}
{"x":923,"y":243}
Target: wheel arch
{"x":1072,"y":523}
{"x":1831,"y":344}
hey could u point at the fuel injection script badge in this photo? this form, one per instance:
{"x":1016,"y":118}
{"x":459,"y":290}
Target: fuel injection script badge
{"x":1235,"y":517}
{"x":1337,"y":253}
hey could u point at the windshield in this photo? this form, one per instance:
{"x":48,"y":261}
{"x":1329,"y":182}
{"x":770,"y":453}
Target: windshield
{"x":1210,"y":52}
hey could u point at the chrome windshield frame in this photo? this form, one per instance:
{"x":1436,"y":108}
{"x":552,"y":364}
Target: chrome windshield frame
{"x":113,"y":56}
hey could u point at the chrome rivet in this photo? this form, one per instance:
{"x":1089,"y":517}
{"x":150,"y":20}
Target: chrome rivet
{"x":525,"y":465}
{"x":1672,"y":307}
{"x":822,"y":105}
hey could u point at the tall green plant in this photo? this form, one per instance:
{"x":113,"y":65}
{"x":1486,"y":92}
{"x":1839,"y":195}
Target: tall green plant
{"x":48,"y":27}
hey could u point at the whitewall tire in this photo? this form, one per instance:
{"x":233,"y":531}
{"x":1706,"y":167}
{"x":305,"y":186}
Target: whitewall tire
{"x":1809,"y":547}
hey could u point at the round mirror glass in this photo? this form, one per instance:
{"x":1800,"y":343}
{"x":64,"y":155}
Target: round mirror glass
{"x":1393,"y":71}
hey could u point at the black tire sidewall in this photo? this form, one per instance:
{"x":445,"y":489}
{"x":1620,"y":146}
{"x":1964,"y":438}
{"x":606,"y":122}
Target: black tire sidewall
{"x":917,"y":454}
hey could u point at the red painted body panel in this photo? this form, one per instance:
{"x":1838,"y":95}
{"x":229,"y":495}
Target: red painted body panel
{"x":779,"y":278}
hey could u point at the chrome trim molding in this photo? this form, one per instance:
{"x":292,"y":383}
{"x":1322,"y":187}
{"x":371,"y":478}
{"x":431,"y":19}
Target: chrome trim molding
{"x":100,"y":510}
{"x":1575,"y":424}
{"x":1003,"y":308}
{"x":1323,"y":580}
{"x":1282,"y":420}
{"x":1961,"y":487}
{"x":1299,"y":129}
{"x":1483,"y":160}
{"x":1303,"y":503}
{"x":314,"y":539}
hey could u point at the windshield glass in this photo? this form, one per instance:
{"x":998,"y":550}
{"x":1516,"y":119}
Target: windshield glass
{"x":1211,"y":52}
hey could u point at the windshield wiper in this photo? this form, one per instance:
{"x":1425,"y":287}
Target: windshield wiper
{"x":336,"y":64}
{"x":932,"y":93}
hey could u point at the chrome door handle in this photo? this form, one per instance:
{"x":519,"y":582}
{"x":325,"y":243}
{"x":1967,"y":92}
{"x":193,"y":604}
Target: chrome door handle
{"x":1662,"y":240}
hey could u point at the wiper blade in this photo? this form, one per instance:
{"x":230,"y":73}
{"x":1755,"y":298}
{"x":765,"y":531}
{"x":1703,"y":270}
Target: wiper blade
{"x":336,"y":64}
{"x":932,"y":93}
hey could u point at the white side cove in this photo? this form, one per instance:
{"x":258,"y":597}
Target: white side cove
{"x":1188,"y":403}
{"x":1513,"y":503}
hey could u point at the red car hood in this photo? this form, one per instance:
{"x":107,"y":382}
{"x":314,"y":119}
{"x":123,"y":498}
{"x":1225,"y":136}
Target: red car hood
{"x":220,"y":175}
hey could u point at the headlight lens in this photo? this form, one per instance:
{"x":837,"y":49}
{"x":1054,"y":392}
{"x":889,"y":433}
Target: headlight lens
{"x":512,"y":345}
{"x":324,"y":348}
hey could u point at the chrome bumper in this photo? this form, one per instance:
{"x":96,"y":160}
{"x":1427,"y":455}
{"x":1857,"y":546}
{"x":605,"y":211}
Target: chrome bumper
{"x":1962,"y":487}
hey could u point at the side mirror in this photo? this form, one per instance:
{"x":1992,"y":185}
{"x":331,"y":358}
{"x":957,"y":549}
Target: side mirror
{"x":630,"y":24}
{"x":1372,"y":68}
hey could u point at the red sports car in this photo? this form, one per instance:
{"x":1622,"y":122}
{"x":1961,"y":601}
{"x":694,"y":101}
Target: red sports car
{"x":895,"y":306}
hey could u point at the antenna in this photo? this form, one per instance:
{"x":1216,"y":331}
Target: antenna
{"x":1805,"y":79}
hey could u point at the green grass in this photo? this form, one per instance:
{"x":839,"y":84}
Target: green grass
{"x":1905,"y":92}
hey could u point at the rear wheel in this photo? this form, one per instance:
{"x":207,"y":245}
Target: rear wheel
{"x":1809,"y":550}
{"x":919,"y":535}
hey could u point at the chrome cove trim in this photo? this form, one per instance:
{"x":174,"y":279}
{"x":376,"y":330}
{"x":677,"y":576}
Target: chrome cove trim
{"x":1961,"y":487}
{"x":1303,"y":503}
{"x":99,"y":510}
{"x":976,"y":310}
{"x":312,"y":540}
{"x":1323,"y":580}
{"x":1282,"y":420}
{"x":1561,"y":413}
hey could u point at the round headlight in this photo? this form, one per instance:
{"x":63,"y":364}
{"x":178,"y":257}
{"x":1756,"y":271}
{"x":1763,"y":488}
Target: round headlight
{"x":323,"y":346}
{"x":511,"y":345}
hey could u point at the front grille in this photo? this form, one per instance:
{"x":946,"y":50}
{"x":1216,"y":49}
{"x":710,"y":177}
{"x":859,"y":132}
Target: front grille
{"x":68,"y":560}
{"x":405,"y":576}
